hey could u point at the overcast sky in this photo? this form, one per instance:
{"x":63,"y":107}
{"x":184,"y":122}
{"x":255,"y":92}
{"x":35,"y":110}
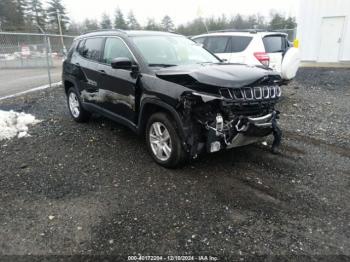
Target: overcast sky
{"x":181,"y":11}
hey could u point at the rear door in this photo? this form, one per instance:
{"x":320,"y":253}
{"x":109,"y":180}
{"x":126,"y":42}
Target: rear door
{"x":219,"y":45}
{"x":90,"y":51}
{"x":117,"y":86}
{"x":275,"y":46}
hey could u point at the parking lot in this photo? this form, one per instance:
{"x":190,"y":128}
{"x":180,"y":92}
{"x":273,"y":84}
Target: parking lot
{"x":93,"y":188}
{"x":29,"y":78}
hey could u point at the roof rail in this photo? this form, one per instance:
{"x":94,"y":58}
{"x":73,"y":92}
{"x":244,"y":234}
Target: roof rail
{"x":104,"y":30}
{"x":252,"y":31}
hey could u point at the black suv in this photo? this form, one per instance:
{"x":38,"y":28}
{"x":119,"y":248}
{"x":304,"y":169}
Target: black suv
{"x":182,"y":97}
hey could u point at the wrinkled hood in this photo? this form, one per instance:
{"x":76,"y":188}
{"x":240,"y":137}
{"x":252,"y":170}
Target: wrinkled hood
{"x":222,"y":75}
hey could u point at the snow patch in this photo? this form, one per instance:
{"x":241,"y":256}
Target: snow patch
{"x":14,"y":124}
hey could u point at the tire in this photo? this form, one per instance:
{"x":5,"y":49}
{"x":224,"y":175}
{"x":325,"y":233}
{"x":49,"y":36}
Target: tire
{"x":78,"y":113}
{"x":169,"y":159}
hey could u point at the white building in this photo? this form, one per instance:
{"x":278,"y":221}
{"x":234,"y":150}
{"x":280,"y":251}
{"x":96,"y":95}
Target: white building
{"x":324,"y":30}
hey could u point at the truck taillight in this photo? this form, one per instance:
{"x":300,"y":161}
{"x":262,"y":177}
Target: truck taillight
{"x":263,"y":58}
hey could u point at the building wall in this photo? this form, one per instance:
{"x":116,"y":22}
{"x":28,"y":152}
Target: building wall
{"x":309,"y":19}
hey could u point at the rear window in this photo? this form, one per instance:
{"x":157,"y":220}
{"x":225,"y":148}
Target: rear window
{"x":217,"y":44}
{"x":274,"y":44}
{"x":240,"y":43}
{"x":92,"y":49}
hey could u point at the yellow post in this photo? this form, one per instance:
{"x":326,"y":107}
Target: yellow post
{"x":296,"y":43}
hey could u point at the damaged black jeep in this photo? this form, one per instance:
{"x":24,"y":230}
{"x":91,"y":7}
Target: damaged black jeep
{"x":183,"y":98}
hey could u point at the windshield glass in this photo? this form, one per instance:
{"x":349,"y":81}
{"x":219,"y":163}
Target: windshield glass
{"x":172,"y":51}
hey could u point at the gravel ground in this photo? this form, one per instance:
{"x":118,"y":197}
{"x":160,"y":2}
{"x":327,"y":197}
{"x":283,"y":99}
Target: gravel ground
{"x":92,"y":189}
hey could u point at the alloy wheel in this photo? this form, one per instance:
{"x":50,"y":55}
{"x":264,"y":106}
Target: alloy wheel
{"x":160,"y":141}
{"x":74,"y":106}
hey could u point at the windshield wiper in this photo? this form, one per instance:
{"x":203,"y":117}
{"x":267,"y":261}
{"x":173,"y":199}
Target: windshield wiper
{"x":161,"y":65}
{"x":205,"y":63}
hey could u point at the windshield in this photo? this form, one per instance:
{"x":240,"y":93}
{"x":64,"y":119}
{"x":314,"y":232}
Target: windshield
{"x":172,"y":51}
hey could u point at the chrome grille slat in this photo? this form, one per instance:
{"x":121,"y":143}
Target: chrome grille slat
{"x":251,"y":93}
{"x":241,"y":97}
{"x":248,"y":93}
{"x":266,"y":92}
{"x":260,"y":92}
{"x":279,"y":91}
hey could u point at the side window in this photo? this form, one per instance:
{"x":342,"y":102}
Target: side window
{"x":217,"y":44}
{"x":80,"y":47}
{"x":71,"y":49}
{"x":274,"y":44}
{"x":199,"y":40}
{"x":115,"y":48}
{"x":240,"y":43}
{"x":92,"y":49}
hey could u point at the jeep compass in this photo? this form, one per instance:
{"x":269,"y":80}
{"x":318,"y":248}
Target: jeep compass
{"x":181,"y":97}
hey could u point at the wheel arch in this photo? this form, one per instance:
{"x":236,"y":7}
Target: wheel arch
{"x":67,"y":84}
{"x":151,"y":106}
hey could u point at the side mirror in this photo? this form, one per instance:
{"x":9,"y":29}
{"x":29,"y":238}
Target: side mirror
{"x":123,"y":63}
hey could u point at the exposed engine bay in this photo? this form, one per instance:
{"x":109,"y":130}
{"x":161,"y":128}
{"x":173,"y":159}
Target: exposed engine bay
{"x":231,"y":118}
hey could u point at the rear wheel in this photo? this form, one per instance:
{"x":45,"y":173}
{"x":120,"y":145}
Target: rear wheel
{"x":78,"y":113}
{"x":163,"y":141}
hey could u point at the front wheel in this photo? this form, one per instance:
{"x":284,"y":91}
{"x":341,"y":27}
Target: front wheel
{"x":78,"y":113}
{"x":163,"y":141}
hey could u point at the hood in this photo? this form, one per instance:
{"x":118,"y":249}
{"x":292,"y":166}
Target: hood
{"x":220,"y":75}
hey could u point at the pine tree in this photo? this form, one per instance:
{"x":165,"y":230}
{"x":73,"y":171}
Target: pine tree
{"x":37,"y":13}
{"x":89,"y":25}
{"x":106,"y":22}
{"x":290,"y":23}
{"x":152,"y":25}
{"x":132,"y":22}
{"x":238,"y":22}
{"x":119,"y":21}
{"x":54,"y":7}
{"x":21,"y":10}
{"x":10,"y":18}
{"x":261,"y":22}
{"x":167,"y":24}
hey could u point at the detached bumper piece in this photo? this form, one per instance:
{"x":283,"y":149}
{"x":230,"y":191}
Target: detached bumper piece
{"x":243,"y":131}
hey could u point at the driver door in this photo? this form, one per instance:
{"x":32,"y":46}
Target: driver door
{"x":118,"y":86}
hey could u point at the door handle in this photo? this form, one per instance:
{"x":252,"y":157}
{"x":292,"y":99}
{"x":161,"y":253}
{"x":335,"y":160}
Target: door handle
{"x":102,"y":72}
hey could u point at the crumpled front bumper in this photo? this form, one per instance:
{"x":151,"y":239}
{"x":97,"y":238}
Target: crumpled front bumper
{"x":247,"y":130}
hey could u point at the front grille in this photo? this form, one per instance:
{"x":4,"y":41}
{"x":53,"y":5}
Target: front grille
{"x":251,"y":93}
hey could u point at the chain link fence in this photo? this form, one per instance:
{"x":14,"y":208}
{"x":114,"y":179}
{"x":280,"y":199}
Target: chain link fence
{"x":30,"y":60}
{"x":22,"y":50}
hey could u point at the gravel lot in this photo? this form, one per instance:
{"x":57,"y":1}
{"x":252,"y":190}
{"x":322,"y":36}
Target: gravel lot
{"x":92,"y":188}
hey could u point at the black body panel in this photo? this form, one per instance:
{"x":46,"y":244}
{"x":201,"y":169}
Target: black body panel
{"x":193,"y":94}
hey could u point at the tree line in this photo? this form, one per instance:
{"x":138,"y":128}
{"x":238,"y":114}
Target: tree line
{"x":194,"y":27}
{"x":124,"y":22}
{"x":27,"y":15}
